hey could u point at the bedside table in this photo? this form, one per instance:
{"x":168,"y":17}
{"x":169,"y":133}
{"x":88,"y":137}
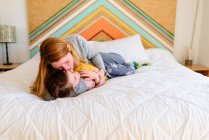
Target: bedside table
{"x":4,"y":68}
{"x":200,"y":69}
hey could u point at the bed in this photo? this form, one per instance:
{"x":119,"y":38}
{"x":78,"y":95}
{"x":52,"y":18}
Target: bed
{"x":162,"y":101}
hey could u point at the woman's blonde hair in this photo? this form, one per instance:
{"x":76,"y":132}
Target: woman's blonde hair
{"x":51,"y":50}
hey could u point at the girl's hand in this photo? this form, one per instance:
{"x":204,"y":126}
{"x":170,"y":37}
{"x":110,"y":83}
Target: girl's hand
{"x":89,"y":75}
{"x":101,"y":75}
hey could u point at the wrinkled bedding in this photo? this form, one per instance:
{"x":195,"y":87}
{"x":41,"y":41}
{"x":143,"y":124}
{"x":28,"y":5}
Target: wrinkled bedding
{"x":160,"y":102}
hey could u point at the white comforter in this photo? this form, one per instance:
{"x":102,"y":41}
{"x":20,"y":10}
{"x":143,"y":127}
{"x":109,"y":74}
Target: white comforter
{"x":163,"y":101}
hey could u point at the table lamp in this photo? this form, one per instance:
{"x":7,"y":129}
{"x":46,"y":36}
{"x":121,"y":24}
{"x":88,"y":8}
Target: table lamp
{"x":7,"y":35}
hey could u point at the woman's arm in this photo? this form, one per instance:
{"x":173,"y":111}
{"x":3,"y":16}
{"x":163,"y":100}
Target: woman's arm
{"x":82,"y":47}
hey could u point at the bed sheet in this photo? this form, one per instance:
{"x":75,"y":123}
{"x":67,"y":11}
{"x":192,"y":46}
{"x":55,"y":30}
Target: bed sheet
{"x":162,"y":101}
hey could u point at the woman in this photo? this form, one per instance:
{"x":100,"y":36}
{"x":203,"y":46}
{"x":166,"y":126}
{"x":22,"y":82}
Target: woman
{"x":66,"y":55}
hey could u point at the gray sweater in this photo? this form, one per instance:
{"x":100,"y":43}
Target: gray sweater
{"x":85,"y":51}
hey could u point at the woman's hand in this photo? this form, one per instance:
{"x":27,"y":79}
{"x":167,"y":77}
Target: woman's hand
{"x":89,"y":75}
{"x":101,"y":75}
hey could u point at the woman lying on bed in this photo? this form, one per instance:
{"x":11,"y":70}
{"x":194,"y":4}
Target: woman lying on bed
{"x":64,"y":83}
{"x":65,"y":55}
{"x":58,"y":54}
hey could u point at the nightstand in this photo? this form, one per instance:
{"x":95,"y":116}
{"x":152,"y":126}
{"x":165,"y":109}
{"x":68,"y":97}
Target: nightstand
{"x":4,"y":68}
{"x":200,"y":69}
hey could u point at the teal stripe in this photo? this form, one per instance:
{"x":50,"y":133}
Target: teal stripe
{"x":77,"y":19}
{"x":151,"y":21}
{"x":34,"y":51}
{"x":34,"y":33}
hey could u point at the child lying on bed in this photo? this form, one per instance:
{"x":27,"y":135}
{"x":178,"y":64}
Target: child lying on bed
{"x":63,"y":84}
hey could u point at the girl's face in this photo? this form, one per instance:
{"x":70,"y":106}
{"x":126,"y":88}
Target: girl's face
{"x":66,"y":63}
{"x":73,"y":78}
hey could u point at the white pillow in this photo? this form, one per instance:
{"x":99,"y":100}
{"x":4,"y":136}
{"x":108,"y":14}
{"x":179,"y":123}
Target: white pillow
{"x":130,"y":48}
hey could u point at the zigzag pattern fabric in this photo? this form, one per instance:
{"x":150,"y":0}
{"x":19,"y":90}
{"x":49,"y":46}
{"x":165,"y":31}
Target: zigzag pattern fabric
{"x":104,"y":20}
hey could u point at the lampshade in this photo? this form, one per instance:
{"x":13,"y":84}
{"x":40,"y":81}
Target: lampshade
{"x":7,"y":33}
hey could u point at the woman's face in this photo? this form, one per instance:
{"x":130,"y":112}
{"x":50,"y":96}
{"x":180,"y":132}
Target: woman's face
{"x":66,"y":63}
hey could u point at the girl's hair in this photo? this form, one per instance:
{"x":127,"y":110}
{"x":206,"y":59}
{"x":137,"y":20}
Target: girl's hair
{"x":57,"y":85}
{"x":51,"y":50}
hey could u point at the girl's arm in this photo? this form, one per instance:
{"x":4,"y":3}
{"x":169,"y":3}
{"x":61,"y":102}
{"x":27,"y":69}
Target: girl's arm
{"x":101,"y":75}
{"x":90,"y":75}
{"x":83,"y":86}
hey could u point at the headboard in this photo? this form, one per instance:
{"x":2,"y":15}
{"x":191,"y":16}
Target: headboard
{"x":103,"y":20}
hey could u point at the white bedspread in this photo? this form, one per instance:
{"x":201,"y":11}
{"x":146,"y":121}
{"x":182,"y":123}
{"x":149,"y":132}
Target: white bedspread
{"x":163,"y":101}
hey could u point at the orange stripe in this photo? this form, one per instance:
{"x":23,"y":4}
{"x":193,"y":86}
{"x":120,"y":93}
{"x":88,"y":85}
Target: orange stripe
{"x":104,"y":25}
{"x":102,"y":32}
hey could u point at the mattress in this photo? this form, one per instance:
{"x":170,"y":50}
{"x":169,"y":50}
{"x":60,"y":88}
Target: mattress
{"x":162,"y":101}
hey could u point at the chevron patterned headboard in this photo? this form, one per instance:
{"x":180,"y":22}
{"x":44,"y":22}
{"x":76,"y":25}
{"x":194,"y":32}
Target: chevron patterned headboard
{"x":103,"y":20}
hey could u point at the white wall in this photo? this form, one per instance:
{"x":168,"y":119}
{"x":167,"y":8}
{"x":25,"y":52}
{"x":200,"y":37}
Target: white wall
{"x":187,"y":21}
{"x":203,"y":52}
{"x":15,"y":13}
{"x":185,"y":17}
